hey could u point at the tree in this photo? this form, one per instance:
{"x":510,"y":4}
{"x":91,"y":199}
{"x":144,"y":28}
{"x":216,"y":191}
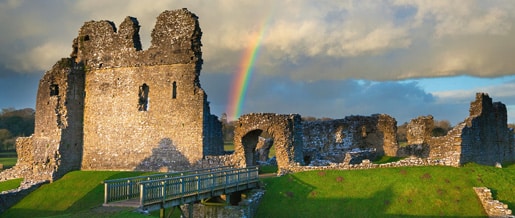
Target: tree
{"x":441,"y":128}
{"x":15,"y":123}
{"x":18,"y":122}
{"x":401,"y":132}
{"x":5,"y":135}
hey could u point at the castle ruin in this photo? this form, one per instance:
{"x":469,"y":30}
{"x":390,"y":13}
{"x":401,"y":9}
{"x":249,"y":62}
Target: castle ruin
{"x":114,"y":106}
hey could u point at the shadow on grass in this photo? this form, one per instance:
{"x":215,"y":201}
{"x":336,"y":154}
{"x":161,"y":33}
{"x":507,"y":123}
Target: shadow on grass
{"x":298,"y":198}
{"x":63,"y":192}
{"x":327,"y":194}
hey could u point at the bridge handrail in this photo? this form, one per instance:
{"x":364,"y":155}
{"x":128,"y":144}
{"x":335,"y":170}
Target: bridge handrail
{"x":173,"y":188}
{"x":127,"y":188}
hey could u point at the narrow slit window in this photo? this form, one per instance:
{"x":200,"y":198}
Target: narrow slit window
{"x":143,"y":97}
{"x":54,"y":90}
{"x":174,"y":90}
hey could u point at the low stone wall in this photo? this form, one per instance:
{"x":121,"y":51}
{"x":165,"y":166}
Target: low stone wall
{"x":366,"y":164}
{"x":11,"y":197}
{"x":493,"y":208}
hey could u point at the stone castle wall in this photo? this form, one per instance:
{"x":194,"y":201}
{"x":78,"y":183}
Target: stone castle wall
{"x":483,"y":137}
{"x":114,"y":106}
{"x":486,"y":136}
{"x":331,"y":139}
{"x":55,"y":148}
{"x":155,"y":95}
{"x":286,"y":131}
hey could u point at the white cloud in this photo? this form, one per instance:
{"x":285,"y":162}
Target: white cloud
{"x":40,"y":57}
{"x":379,"y":40}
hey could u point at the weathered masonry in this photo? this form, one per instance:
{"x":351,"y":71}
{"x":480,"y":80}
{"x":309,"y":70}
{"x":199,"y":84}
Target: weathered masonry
{"x":113,"y":106}
{"x":483,"y":137}
{"x":330,"y":140}
{"x":286,"y":131}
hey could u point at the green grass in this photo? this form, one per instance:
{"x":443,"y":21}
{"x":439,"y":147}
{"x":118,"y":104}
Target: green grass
{"x":77,"y":192}
{"x":391,"y":192}
{"x":10,"y":184}
{"x":388,"y":192}
{"x":267,"y":169}
{"x":8,"y":159}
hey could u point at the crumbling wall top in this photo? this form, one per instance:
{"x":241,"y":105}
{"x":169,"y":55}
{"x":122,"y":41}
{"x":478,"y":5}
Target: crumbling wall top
{"x":419,"y":130}
{"x":175,"y":40}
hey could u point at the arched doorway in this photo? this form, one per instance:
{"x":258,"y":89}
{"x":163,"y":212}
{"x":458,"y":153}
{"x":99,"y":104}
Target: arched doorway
{"x":284,"y":130}
{"x":249,"y":142}
{"x":258,"y":147}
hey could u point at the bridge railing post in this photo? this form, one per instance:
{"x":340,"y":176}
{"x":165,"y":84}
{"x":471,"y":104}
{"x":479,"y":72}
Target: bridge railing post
{"x":106,"y":192}
{"x":142,"y":194}
{"x":238,"y":180}
{"x":199,"y":186}
{"x":163,"y":190}
{"x":129,"y":189}
{"x":182,"y":186}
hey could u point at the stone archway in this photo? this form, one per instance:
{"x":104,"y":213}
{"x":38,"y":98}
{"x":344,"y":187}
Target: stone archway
{"x":286,"y":131}
{"x":249,"y":142}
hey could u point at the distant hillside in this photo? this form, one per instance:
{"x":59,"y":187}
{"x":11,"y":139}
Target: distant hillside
{"x":13,"y":124}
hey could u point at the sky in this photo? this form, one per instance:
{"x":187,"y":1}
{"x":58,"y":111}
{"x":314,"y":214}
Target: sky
{"x":316,"y":58}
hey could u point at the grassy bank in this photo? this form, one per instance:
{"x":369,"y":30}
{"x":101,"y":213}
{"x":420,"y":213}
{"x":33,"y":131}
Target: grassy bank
{"x":10,"y":184}
{"x":78,"y":192}
{"x":393,"y":192}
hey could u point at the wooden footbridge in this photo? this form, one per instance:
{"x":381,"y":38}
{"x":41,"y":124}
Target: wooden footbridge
{"x":171,"y":190}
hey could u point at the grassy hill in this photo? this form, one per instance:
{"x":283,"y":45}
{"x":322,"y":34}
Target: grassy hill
{"x":393,"y":192}
{"x":77,"y":194}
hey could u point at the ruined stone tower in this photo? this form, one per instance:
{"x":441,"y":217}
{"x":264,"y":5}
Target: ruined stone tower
{"x":114,"y":106}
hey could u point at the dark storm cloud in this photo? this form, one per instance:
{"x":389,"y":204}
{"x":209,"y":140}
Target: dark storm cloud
{"x":316,"y":57}
{"x":334,"y":98}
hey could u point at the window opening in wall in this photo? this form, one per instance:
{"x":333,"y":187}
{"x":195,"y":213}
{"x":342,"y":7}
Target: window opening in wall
{"x":54,"y":90}
{"x":174,"y":90}
{"x":143,"y":97}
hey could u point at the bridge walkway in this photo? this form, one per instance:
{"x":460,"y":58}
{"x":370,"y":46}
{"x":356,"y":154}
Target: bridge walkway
{"x":172,"y":190}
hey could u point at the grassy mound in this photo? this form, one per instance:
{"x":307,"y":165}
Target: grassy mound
{"x":77,"y":192}
{"x":392,"y":192}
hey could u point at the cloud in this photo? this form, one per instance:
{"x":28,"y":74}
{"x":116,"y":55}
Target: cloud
{"x":378,"y":40}
{"x":337,"y":98}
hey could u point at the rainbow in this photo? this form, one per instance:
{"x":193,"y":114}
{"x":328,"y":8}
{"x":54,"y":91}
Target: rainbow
{"x":242,"y":77}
